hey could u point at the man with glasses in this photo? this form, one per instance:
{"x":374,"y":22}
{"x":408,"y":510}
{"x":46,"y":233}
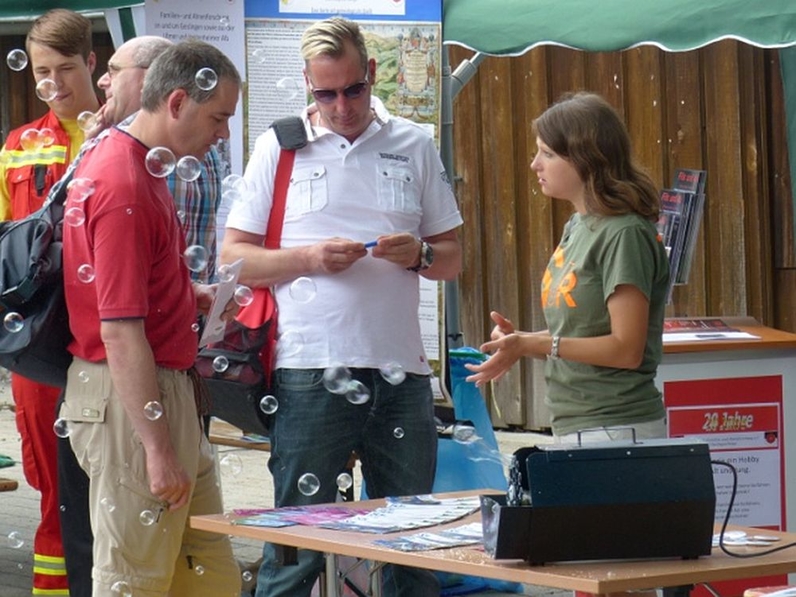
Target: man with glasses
{"x":59,"y":47}
{"x":197,"y":201}
{"x":369,"y":210}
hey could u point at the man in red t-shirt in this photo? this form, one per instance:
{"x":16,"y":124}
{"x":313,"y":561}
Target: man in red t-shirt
{"x":132,"y":306}
{"x":59,"y":48}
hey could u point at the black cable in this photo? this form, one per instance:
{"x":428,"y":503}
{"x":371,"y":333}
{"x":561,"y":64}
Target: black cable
{"x":727,"y":520}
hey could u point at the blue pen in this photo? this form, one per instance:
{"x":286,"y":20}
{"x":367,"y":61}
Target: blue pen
{"x":372,"y":243}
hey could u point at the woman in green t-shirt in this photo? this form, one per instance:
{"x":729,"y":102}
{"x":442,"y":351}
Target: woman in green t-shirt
{"x":604,"y":290}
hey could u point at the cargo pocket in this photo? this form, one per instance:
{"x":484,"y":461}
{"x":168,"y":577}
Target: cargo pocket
{"x":397,"y":189}
{"x":307,"y":193}
{"x":83,"y":412}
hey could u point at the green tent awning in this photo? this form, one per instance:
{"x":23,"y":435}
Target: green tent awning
{"x":33,"y":8}
{"x":512,"y":27}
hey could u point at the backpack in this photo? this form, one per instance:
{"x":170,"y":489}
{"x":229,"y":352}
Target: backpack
{"x":32,"y":286}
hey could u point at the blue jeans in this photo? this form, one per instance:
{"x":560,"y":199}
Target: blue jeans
{"x":315,"y":431}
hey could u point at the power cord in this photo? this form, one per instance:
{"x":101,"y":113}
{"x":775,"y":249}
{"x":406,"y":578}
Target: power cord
{"x":727,"y":520}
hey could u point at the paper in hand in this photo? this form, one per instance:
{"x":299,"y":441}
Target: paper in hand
{"x":214,"y":325}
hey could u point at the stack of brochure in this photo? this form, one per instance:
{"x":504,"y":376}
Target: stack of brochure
{"x":680,"y":219}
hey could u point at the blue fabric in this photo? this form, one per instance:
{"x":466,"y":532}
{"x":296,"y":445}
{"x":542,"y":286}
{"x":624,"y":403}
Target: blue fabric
{"x":476,"y":465}
{"x":315,"y":431}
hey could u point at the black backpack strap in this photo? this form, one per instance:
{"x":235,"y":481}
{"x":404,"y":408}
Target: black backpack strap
{"x":290,"y":132}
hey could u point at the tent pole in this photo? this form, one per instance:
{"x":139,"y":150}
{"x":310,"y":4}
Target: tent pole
{"x":451,"y":85}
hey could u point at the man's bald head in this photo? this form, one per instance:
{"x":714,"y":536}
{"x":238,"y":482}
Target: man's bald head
{"x":124,"y":79}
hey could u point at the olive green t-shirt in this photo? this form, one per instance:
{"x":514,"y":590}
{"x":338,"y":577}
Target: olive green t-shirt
{"x":596,"y":254}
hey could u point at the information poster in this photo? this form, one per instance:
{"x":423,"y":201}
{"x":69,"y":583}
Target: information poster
{"x":217,"y":23}
{"x":404,"y":37}
{"x":741,"y":420}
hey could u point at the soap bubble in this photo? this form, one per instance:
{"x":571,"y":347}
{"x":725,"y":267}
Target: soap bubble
{"x":30,"y":140}
{"x":83,"y":376}
{"x":308,"y":484}
{"x":46,"y":137}
{"x":13,"y":322}
{"x":74,"y":216}
{"x":199,"y":570}
{"x":153,"y":410}
{"x":398,"y":433}
{"x":393,"y":373}
{"x":290,"y":344}
{"x":232,"y":464}
{"x":337,"y":378}
{"x":344,"y":481}
{"x":243,"y":295}
{"x":233,"y":181}
{"x":464,"y":433}
{"x":86,"y":120}
{"x":160,"y":162}
{"x":108,"y":504}
{"x":269,"y":404}
{"x":80,"y":189}
{"x":17,"y":60}
{"x":260,"y":55}
{"x":61,"y":428}
{"x":357,"y":393}
{"x":85,"y":273}
{"x":195,"y":258}
{"x":225,"y":273}
{"x":15,"y":540}
{"x":122,"y":589}
{"x":302,"y":290}
{"x":189,"y":168}
{"x":229,"y":196}
{"x":220,"y":364}
{"x":246,"y":576}
{"x":46,"y":90}
{"x":287,"y":88}
{"x":206,"y":79}
{"x":147,"y":518}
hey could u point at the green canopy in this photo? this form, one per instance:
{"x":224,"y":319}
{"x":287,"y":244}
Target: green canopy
{"x":32,"y":8}
{"x":512,"y":27}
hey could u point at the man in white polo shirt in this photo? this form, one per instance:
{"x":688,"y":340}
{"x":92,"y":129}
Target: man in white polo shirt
{"x":369,"y":210}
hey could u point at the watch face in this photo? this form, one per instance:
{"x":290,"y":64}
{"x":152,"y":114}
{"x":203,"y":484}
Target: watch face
{"x":427,"y":255}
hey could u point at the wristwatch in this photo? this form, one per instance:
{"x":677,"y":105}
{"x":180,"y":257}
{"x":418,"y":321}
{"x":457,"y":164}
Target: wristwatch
{"x":426,"y":257}
{"x":554,"y":348}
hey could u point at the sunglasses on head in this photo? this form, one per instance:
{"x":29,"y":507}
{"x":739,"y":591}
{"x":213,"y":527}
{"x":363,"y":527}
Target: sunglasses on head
{"x":327,"y":96}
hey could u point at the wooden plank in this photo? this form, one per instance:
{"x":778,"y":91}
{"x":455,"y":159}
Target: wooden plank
{"x":726,"y":242}
{"x":754,"y":186}
{"x":500,"y":207}
{"x":779,"y":168}
{"x":642,"y":109}
{"x":684,"y":126}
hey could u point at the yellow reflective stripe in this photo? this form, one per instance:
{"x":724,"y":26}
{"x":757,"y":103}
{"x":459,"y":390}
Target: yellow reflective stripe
{"x":51,"y":591}
{"x":37,"y":557}
{"x":49,"y":571}
{"x":49,"y":565}
{"x":55,"y":154}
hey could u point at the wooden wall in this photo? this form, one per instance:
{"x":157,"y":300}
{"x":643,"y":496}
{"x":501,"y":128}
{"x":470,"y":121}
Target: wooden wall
{"x":719,"y":109}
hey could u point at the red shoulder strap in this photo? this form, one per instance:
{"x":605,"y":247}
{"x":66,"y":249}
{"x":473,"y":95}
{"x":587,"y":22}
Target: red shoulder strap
{"x":284,"y":168}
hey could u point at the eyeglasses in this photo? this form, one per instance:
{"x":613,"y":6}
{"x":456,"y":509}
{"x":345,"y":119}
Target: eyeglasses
{"x":115,"y":69}
{"x":327,"y":96}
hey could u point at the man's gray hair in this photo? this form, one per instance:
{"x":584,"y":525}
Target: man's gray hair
{"x":328,"y":38}
{"x":177,"y":67}
{"x":149,"y":47}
